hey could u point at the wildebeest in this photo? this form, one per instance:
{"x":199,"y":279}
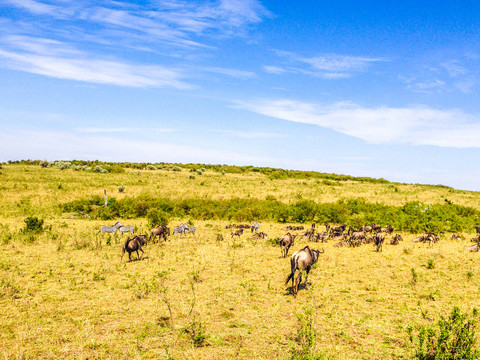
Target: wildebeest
{"x":379,"y":239}
{"x":356,"y":238}
{"x":127,"y":228}
{"x":160,"y":231}
{"x":338,"y":229}
{"x":134,"y":244}
{"x":366,"y":228}
{"x":375,"y":227}
{"x":474,"y":248}
{"x":236,"y":232}
{"x":286,"y":241}
{"x":302,"y":260}
{"x":260,"y":235}
{"x":320,"y":237}
{"x":395,"y":240}
{"x":456,"y":237}
{"x":307,"y":233}
{"x":477,"y":229}
{"x":388,"y":229}
{"x":429,"y":238}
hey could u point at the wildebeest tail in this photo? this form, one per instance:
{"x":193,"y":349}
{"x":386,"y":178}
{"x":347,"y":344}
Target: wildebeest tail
{"x":293,"y":266}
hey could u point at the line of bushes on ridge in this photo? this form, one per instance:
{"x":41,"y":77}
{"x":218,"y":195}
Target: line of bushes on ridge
{"x":272,"y":173}
{"x":413,"y":217}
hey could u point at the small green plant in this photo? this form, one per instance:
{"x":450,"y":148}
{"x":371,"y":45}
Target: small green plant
{"x":196,"y":331}
{"x":414,"y":277}
{"x":33,"y":225}
{"x":121,"y":188}
{"x":452,"y":338}
{"x":306,"y":338}
{"x":192,"y":176}
{"x":431,"y":264}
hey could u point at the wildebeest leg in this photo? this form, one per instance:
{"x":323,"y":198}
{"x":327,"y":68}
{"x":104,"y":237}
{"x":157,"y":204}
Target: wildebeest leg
{"x":130,"y":256}
{"x":143,"y":253}
{"x":306,"y":277}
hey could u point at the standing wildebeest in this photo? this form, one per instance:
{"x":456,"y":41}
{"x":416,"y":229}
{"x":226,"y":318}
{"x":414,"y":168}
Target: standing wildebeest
{"x":286,"y":241}
{"x":379,"y":239}
{"x":237,"y":233}
{"x":111,"y":229}
{"x":134,"y":244}
{"x":356,"y":238}
{"x":456,"y":237}
{"x":127,"y":228}
{"x":302,"y":260}
{"x":375,"y":227}
{"x":255,"y":226}
{"x":338,"y":229}
{"x":366,"y":228}
{"x":160,"y":231}
{"x":477,"y":229}
{"x":307,"y":233}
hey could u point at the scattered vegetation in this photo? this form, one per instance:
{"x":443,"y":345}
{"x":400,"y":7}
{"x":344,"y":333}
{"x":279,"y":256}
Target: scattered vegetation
{"x":452,"y":338}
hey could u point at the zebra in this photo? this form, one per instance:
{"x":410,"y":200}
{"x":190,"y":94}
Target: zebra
{"x":190,"y":229}
{"x":180,"y":229}
{"x":111,"y":229}
{"x":126,"y":228}
{"x":255,"y":226}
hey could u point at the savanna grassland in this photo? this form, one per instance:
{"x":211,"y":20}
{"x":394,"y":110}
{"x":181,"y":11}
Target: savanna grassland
{"x":65,"y":294}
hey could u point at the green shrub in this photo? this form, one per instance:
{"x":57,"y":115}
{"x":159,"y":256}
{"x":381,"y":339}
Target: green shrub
{"x":157,"y":217}
{"x":453,"y":338}
{"x":121,"y":188}
{"x":33,"y":225}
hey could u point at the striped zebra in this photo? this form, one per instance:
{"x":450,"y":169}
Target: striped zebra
{"x":255,"y":226}
{"x":111,"y":229}
{"x":180,"y":229}
{"x":126,"y":228}
{"x":190,"y":229}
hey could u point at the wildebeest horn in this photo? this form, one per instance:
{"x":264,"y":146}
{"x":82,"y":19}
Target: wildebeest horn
{"x":321,"y":252}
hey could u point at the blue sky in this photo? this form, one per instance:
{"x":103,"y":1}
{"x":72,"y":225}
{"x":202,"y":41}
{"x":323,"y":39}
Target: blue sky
{"x":370,"y":88}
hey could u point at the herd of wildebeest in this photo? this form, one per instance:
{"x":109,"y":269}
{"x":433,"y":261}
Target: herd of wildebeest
{"x":301,"y":261}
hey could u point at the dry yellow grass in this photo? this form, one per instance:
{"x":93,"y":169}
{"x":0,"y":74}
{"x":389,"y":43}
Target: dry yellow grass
{"x":67,"y":296}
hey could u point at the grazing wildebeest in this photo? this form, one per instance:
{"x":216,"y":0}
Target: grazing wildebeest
{"x":340,"y":237}
{"x":302,"y":260}
{"x":260,"y":235}
{"x":395,"y":240}
{"x":474,"y":248}
{"x":237,"y":233}
{"x":338,"y":229}
{"x":255,"y":226}
{"x":477,"y":229}
{"x":388,"y":229}
{"x":127,"y":228}
{"x":307,"y":233}
{"x":379,"y":239}
{"x":366,"y":228}
{"x":369,"y":240}
{"x":111,"y":229}
{"x":456,"y":237}
{"x":286,"y":241}
{"x":356,"y":238}
{"x":320,"y":237}
{"x":160,"y":231}
{"x":134,"y":244}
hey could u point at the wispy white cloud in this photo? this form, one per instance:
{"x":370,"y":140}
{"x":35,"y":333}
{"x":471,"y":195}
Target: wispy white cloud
{"x":94,"y":71}
{"x":277,"y":70}
{"x":415,"y":125}
{"x":329,"y":66}
{"x":250,"y":134}
{"x":55,"y":59}
{"x":230,"y":72}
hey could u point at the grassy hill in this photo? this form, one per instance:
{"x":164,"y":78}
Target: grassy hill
{"x":66,"y":294}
